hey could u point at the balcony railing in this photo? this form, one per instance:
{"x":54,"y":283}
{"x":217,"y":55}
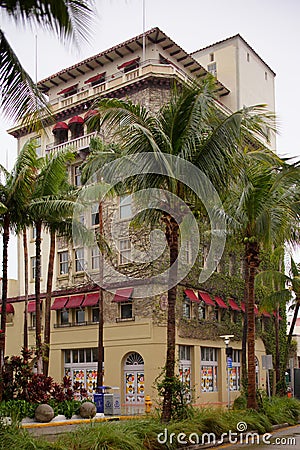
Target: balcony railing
{"x":118,"y":79}
{"x":76,"y":144}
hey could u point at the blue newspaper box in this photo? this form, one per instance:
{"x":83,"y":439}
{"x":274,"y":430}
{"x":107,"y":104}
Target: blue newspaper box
{"x":99,"y":398}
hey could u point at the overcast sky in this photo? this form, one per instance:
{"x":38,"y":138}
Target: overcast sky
{"x":271,"y":27}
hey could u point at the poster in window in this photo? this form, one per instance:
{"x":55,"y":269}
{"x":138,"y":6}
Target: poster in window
{"x":91,"y":381}
{"x":130,"y":388}
{"x":140,"y":387}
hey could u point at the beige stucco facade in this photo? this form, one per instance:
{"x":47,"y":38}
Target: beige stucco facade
{"x":135,"y":346}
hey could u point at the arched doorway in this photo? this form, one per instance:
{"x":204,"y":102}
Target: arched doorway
{"x":134,"y":380}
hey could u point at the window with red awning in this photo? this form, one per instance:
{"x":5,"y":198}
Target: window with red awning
{"x":206,"y":298}
{"x":123,"y":295}
{"x":59,"y":303}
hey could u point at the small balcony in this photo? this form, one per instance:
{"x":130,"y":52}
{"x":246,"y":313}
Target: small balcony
{"x":77,"y":144}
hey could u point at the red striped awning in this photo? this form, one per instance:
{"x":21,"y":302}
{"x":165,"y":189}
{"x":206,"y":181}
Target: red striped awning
{"x":60,"y":126}
{"x":31,"y":306}
{"x":129,"y":63}
{"x":9,"y":309}
{"x":122,"y":295}
{"x":75,"y":301}
{"x":68,"y":89}
{"x":220,"y":302}
{"x":255,"y":310}
{"x":191,"y":295}
{"x":206,"y":298}
{"x":59,"y":303}
{"x":91,"y":299}
{"x":95,"y":78}
{"x":90,"y":113}
{"x":243,"y":307}
{"x":233,"y":305}
{"x":76,"y":120}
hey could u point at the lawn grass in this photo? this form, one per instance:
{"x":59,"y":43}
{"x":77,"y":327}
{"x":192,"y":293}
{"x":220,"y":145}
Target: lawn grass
{"x":141,"y":433}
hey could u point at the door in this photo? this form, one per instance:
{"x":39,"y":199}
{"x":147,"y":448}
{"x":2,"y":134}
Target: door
{"x":134,"y":379}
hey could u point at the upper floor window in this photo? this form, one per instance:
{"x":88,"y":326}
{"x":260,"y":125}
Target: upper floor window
{"x":95,"y":257}
{"x":63,"y":262}
{"x":64,"y":316}
{"x":186,"y":311}
{"x":79,"y":315}
{"x":33,"y":233}
{"x":95,"y":215}
{"x":129,"y":65}
{"x":33,"y":267}
{"x":202,"y":310}
{"x":76,"y":126}
{"x":79,"y":259}
{"x":211,"y":57}
{"x":67,"y":92}
{"x":212,"y":68}
{"x":60,"y":131}
{"x":126,"y":310}
{"x":124,"y":251}
{"x":125,"y":206}
{"x":77,"y":176}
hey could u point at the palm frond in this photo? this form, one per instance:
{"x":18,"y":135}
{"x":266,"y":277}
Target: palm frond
{"x":20,"y":99}
{"x":68,"y":19}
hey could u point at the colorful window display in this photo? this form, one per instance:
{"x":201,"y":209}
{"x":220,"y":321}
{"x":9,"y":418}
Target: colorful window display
{"x":209,"y":369}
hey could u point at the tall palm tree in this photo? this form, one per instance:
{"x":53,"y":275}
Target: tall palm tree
{"x":67,"y":19}
{"x":189,"y":126}
{"x":14,"y":193}
{"x":45,"y":205}
{"x":264,"y":208}
{"x":282,"y":287}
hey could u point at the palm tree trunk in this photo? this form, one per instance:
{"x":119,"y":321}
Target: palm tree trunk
{"x":252,"y":252}
{"x":4,"y":294}
{"x":38,"y":325}
{"x":25,"y":251}
{"x":48,"y":304}
{"x":245,"y":327}
{"x":277,"y":351}
{"x":100,"y":304}
{"x":172,"y":240}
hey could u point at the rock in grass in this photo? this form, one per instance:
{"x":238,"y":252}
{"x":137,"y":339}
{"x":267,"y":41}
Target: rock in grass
{"x":87,"y":410}
{"x":44,"y":413}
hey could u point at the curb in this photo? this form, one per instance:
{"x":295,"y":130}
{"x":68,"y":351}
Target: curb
{"x":75,"y":422}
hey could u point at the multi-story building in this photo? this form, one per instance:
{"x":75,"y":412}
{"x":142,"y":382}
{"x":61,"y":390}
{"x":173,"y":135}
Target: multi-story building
{"x":142,"y":69}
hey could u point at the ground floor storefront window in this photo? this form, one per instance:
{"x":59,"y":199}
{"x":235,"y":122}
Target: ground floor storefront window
{"x":209,"y":369}
{"x":81,"y":366}
{"x":235,"y":371}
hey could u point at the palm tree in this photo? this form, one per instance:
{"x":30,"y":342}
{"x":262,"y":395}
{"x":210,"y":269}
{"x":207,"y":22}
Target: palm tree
{"x":68,"y":19}
{"x":264,"y":208}
{"x":45,"y":205}
{"x":190,"y":126}
{"x":14,"y":194}
{"x":282,"y":286}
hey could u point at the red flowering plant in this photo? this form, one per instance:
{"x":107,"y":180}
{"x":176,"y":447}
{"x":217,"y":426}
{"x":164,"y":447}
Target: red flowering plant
{"x":20,"y":382}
